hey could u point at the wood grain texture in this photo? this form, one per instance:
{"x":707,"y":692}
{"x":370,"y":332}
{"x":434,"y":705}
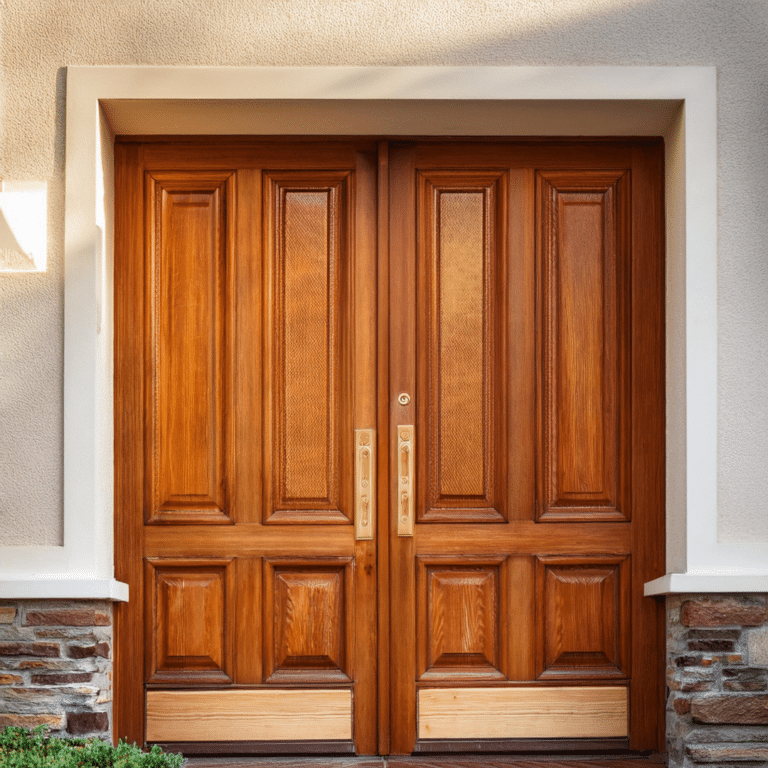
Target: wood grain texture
{"x":249,"y":626}
{"x":382,"y":415}
{"x":648,"y":431}
{"x":402,"y":378}
{"x":583,"y":357}
{"x":364,"y":632}
{"x":308,"y":248}
{"x":379,"y":335}
{"x":255,"y":715}
{"x":189,"y":227}
{"x":189,"y":620}
{"x":460,"y":604}
{"x":460,"y":250}
{"x":130,"y":494}
{"x":309,"y":614}
{"x":455,"y":713}
{"x":583,"y":617}
{"x":566,"y":216}
{"x":231,"y":230}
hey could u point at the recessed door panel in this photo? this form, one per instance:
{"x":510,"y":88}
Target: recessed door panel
{"x":307,"y":239}
{"x":583,"y":226}
{"x":189,"y":235}
{"x":460,"y":258}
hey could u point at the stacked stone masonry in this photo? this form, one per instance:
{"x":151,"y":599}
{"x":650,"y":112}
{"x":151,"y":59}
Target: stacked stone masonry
{"x":717,"y":677}
{"x":56,"y":666}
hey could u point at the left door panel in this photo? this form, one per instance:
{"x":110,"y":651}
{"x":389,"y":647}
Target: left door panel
{"x":244,"y":363}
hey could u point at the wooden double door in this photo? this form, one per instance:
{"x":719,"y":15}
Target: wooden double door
{"x":389,"y":445}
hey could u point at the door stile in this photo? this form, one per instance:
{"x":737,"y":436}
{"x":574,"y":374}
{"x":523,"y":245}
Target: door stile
{"x":365,"y":235}
{"x":383,"y":399}
{"x":402,"y":378}
{"x":128,"y":707}
{"x":648,"y":466}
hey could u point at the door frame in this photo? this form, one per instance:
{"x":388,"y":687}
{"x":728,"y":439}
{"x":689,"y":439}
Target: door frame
{"x":679,"y":103}
{"x":103,"y":100}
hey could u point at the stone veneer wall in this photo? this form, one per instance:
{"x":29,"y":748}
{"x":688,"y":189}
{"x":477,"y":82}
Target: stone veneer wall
{"x":56,"y":665}
{"x":717,"y":676}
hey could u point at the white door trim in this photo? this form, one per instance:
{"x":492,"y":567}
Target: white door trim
{"x":676,"y":102}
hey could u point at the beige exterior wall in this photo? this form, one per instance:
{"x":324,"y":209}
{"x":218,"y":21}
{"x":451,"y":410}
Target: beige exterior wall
{"x":38,"y":38}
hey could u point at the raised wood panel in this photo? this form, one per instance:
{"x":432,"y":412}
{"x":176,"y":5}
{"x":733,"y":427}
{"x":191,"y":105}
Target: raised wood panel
{"x":461,"y":244}
{"x":583,"y":252}
{"x":308,"y":620}
{"x":460,"y":604}
{"x":189,"y":284}
{"x":583,"y":610}
{"x":517,"y":713}
{"x":308,"y":258}
{"x":189,"y":636}
{"x":255,"y":715}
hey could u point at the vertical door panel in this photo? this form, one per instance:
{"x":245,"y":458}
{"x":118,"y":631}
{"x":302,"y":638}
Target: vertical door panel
{"x":190,"y":325}
{"x":307,"y":243}
{"x":461,"y":412}
{"x":582,"y":259}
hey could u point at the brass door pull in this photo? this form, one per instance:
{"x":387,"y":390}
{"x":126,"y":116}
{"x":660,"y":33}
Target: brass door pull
{"x":405,"y":471}
{"x":365,"y":482}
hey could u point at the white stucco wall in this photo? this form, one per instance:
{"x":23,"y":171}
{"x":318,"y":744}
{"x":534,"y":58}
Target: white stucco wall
{"x":40,"y":37}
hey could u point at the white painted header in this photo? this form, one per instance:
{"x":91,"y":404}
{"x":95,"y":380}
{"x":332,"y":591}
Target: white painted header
{"x":676,"y":102}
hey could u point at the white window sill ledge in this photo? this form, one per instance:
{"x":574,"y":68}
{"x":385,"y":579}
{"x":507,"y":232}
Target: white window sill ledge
{"x":64,"y":589}
{"x":690,"y":583}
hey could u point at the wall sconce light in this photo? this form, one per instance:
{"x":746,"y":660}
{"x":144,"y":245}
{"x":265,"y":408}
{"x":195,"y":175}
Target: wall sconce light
{"x":23,"y":226}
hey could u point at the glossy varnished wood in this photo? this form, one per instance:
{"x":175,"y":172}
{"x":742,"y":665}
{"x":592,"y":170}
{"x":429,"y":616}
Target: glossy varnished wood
{"x":242,"y":427}
{"x":648,"y":425}
{"x":582,"y":262}
{"x":563,"y":344}
{"x":189,"y":230}
{"x":461,"y":258}
{"x":515,"y":291}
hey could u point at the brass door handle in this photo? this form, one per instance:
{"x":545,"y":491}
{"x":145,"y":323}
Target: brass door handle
{"x":406,"y":454}
{"x":365,"y":482}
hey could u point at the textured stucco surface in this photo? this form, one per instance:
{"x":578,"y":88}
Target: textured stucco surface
{"x":40,"y":37}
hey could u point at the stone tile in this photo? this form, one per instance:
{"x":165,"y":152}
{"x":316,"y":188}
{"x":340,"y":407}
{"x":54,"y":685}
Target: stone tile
{"x":29,"y":649}
{"x":744,"y":709}
{"x":81,"y":723}
{"x":7,"y":614}
{"x":757,"y":642}
{"x":53,"y":721}
{"x":60,"y":618}
{"x":727,"y":753}
{"x":719,"y":612}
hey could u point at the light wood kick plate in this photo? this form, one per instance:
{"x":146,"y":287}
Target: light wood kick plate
{"x":516,"y":713}
{"x":297,"y":715}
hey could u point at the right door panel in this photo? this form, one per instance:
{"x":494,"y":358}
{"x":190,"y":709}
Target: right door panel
{"x":526,"y":311}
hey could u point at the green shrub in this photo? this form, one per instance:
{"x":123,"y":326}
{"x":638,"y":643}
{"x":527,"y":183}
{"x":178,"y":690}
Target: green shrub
{"x":20,"y":748}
